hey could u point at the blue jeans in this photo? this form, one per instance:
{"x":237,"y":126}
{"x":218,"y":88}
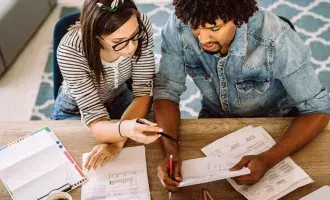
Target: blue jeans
{"x":66,"y":108}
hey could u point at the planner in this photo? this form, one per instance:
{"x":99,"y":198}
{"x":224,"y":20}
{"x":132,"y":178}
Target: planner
{"x":37,"y":165}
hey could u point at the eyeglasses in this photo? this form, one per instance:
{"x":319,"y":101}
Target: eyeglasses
{"x":135,"y":37}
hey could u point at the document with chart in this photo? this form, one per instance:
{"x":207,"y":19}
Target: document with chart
{"x":282,"y":179}
{"x":121,"y":179}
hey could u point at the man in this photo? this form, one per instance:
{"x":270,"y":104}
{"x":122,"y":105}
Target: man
{"x":247,"y":63}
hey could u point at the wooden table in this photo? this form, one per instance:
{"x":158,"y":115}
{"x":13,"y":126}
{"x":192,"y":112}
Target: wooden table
{"x":195,"y":134}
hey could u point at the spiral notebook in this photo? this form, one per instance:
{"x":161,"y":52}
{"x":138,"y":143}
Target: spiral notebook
{"x":36,"y":165}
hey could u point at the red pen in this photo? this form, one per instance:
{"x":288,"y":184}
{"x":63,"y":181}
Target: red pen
{"x":171,"y":169}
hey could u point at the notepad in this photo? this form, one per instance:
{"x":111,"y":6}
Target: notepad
{"x":34,"y":166}
{"x":123,"y":178}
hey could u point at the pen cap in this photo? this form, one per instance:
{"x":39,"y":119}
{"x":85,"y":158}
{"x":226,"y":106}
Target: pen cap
{"x":59,"y":196}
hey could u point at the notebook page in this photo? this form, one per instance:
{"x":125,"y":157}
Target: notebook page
{"x":27,"y":147}
{"x":123,"y":178}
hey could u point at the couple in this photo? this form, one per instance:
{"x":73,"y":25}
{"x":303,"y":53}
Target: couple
{"x":247,"y":62}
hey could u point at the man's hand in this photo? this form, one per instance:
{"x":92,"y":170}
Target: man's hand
{"x":102,"y":154}
{"x":170,"y":184}
{"x":257,"y":166}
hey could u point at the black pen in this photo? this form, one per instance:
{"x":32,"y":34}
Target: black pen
{"x":161,"y":133}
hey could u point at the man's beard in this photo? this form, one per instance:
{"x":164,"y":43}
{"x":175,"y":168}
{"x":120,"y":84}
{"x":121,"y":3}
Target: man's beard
{"x":215,"y":52}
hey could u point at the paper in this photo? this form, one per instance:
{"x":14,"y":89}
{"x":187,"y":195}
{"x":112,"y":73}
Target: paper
{"x":124,"y":178}
{"x":37,"y":164}
{"x":322,"y":193}
{"x":282,"y":179}
{"x":208,"y":169}
{"x":31,"y":145}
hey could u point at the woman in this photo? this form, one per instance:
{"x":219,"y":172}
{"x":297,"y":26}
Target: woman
{"x":111,"y":44}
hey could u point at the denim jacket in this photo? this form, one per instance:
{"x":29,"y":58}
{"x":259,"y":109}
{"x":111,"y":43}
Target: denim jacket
{"x":266,"y":72}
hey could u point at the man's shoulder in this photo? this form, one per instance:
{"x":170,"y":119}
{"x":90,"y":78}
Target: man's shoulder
{"x":266,"y":25}
{"x":173,"y":24}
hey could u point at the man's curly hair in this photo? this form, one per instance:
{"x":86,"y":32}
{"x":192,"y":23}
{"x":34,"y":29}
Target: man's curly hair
{"x":199,"y":12}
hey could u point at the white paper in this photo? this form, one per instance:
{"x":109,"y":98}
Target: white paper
{"x":245,"y":141}
{"x":322,"y":193}
{"x":42,"y":185}
{"x":35,"y":166}
{"x":282,"y":179}
{"x":295,"y":186}
{"x":18,"y":175}
{"x":121,"y":179}
{"x":28,"y":147}
{"x":208,"y":169}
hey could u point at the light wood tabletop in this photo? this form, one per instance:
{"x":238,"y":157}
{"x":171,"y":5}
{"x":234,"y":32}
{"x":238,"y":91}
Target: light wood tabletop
{"x":195,"y":134}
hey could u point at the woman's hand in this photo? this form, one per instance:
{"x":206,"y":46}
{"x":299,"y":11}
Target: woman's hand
{"x":102,"y":154}
{"x":136,"y":131}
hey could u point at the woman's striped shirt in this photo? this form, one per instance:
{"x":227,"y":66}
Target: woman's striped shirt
{"x":80,"y":83}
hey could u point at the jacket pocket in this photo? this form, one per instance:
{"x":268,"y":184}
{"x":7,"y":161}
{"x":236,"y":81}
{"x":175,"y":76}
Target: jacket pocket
{"x":252,"y":92}
{"x":197,"y":71}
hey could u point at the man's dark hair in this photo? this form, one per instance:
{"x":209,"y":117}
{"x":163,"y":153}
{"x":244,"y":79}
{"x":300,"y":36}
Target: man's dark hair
{"x":199,"y":12}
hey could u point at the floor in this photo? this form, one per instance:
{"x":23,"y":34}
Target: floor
{"x":19,"y":86}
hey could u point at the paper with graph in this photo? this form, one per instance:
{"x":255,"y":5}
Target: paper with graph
{"x":121,"y":179}
{"x":282,"y":179}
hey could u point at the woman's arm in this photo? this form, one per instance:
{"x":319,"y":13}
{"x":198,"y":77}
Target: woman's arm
{"x":108,"y":132}
{"x":102,"y":154}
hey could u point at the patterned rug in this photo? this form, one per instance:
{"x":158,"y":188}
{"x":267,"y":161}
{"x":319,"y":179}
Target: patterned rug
{"x":310,"y":17}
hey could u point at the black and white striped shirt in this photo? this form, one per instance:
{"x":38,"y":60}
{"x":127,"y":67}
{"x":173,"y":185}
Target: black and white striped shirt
{"x":80,"y":82}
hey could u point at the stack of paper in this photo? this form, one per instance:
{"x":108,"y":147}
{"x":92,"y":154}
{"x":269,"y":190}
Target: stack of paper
{"x":282,"y":179}
{"x":123,"y":178}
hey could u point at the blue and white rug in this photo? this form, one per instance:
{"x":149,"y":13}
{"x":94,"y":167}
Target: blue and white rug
{"x":310,"y":17}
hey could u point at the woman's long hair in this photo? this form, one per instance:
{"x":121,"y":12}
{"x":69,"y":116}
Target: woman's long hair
{"x":95,"y":22}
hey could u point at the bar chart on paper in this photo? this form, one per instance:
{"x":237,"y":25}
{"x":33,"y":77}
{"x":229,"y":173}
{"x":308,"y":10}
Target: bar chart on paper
{"x":124,"y":178}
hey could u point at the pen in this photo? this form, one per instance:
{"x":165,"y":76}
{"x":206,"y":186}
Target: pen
{"x":161,"y":133}
{"x":65,"y":188}
{"x":208,"y":194}
{"x":171,"y":167}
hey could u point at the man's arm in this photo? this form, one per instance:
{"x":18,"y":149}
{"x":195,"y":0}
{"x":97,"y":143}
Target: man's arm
{"x":293,"y":69}
{"x":301,"y":132}
{"x":169,"y":84}
{"x":167,"y":115}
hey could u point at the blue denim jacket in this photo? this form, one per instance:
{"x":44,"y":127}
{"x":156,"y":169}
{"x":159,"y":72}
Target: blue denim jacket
{"x":266,"y":73}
